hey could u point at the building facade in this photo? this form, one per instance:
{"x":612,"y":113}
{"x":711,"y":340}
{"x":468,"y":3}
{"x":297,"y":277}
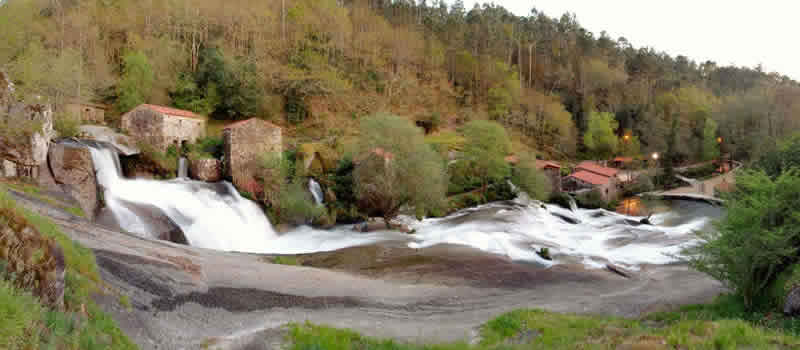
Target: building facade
{"x":88,"y":112}
{"x":245,"y":143}
{"x":161,"y":126}
{"x":592,"y":176}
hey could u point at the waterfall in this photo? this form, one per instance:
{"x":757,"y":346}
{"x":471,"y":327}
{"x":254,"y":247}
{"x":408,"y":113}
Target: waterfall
{"x":316,"y":191}
{"x":183,"y":168}
{"x":572,"y":204}
{"x":211,"y":216}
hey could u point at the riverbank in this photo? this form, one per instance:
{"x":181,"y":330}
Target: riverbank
{"x":184,"y":297}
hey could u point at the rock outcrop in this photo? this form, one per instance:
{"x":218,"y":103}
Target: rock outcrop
{"x":316,"y":159}
{"x":208,"y":170}
{"x":124,"y":144}
{"x":791,"y":304}
{"x":26,"y":129}
{"x":73,"y":170}
{"x":37,"y":262}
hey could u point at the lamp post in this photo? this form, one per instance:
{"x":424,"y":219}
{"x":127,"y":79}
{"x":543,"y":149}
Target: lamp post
{"x":655,"y":166}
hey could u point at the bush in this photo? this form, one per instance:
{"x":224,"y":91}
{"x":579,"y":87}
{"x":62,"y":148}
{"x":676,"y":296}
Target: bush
{"x":560,"y":199}
{"x":590,"y":200}
{"x":430,"y":122}
{"x":296,"y":206}
{"x":67,"y":125}
{"x":532,"y":180}
{"x":205,"y":148}
{"x":642,"y":184}
{"x":757,"y":236}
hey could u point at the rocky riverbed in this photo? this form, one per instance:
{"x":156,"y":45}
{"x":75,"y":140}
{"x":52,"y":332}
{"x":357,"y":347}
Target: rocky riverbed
{"x":184,"y":297}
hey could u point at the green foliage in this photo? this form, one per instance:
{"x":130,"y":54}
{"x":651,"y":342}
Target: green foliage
{"x":500,"y":101}
{"x":537,"y":329}
{"x":67,"y":125}
{"x":223,"y":87}
{"x":532,"y":180}
{"x":642,"y":184}
{"x":135,"y":85}
{"x":784,"y":157}
{"x":600,"y":135}
{"x":710,"y":144}
{"x":343,"y":182}
{"x":485,"y":150}
{"x":295,"y":205}
{"x":757,"y":236}
{"x":21,"y":317}
{"x":285,"y":260}
{"x":430,"y":122}
{"x":396,"y":168}
{"x":590,"y":200}
{"x":209,"y":147}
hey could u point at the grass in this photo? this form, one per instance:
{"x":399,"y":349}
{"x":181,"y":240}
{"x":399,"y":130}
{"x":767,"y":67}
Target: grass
{"x":285,"y":260}
{"x":536,"y":329}
{"x":81,"y":324}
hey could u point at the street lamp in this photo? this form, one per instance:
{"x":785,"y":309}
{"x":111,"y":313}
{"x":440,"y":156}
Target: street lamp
{"x":655,"y":155}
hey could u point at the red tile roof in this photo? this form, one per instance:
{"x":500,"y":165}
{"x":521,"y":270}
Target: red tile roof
{"x":173,"y":111}
{"x":591,"y":178}
{"x":541,"y":164}
{"x":597,"y":169}
{"x":623,"y":159}
{"x":247,"y":121}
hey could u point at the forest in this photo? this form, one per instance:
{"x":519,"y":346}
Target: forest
{"x":316,"y":66}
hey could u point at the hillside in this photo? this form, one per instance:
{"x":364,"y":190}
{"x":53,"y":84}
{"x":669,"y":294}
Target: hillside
{"x":317,"y":67}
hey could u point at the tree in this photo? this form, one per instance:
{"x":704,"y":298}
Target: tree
{"x":396,"y":167}
{"x":710,"y":144}
{"x":600,"y":137}
{"x":532,"y":180}
{"x":486,"y":148}
{"x":757,"y":236}
{"x":137,"y":80}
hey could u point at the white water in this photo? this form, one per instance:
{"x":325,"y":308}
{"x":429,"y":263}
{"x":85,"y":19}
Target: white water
{"x":594,"y":237}
{"x":208,"y":218}
{"x":316,"y":191}
{"x":215,"y":216}
{"x":183,"y":168}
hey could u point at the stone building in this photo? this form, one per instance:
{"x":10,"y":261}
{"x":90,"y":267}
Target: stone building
{"x":88,"y":112}
{"x":161,"y":126}
{"x":592,"y":176}
{"x":553,"y":171}
{"x":244,"y":143}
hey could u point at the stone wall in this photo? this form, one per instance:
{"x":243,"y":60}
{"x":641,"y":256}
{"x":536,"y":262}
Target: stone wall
{"x":161,"y":130}
{"x":208,"y":170}
{"x":244,"y":144}
{"x":25,"y":133}
{"x":88,"y":113}
{"x":181,"y":129}
{"x":146,"y":126}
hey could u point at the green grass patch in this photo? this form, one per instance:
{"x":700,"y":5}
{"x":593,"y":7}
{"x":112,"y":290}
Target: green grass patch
{"x":81,"y":324}
{"x":285,"y":260}
{"x":536,"y":329}
{"x":36,"y":192}
{"x":446,"y":141}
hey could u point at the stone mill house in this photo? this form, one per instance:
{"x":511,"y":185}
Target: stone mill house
{"x":161,"y":126}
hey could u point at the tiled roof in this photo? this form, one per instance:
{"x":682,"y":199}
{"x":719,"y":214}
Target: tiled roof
{"x":591,"y":178}
{"x":597,"y":169}
{"x":541,"y":164}
{"x":173,"y":111}
{"x":623,"y":159}
{"x":247,"y":121}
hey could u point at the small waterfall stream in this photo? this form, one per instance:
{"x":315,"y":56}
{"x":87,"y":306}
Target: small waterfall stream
{"x":316,"y":191}
{"x":183,"y":168}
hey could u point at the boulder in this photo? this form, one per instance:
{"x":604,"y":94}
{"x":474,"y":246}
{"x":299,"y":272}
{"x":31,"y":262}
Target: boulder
{"x":73,"y":170}
{"x":316,"y":159}
{"x":791,"y":303}
{"x":208,"y":170}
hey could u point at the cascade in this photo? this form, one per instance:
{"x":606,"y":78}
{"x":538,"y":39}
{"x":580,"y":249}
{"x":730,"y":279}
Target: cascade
{"x":316,"y":191}
{"x":211,"y":216}
{"x":183,"y":168}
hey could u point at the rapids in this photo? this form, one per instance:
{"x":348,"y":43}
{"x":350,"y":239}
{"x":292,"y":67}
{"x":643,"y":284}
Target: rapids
{"x":215,"y":216}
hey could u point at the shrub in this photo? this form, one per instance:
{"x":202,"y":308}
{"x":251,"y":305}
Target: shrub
{"x":532,"y":180}
{"x":430,"y":122}
{"x":757,"y":236}
{"x":296,"y":206}
{"x":209,"y":147}
{"x":590,"y":200}
{"x":485,"y":150}
{"x":67,"y":125}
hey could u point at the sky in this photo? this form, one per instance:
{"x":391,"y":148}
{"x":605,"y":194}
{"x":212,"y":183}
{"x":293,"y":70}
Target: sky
{"x":728,"y":32}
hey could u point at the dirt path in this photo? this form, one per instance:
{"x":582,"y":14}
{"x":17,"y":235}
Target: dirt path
{"x":183,"y":297}
{"x":706,"y":187}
